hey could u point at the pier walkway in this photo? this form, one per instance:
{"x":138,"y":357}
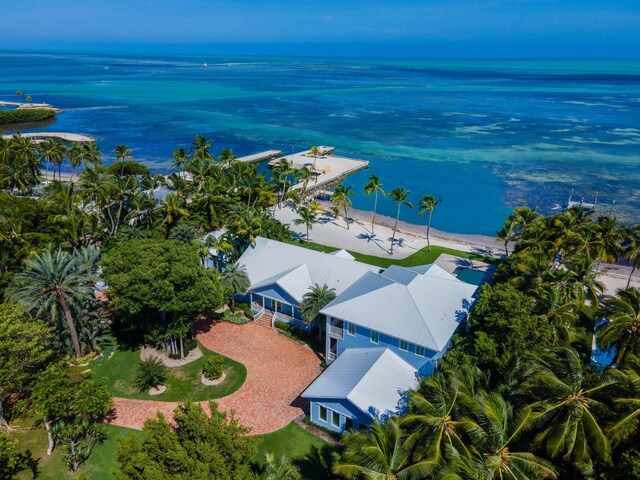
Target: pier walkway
{"x":64,"y":136}
{"x":260,"y":157}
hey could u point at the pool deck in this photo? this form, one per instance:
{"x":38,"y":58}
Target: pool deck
{"x":451,"y":263}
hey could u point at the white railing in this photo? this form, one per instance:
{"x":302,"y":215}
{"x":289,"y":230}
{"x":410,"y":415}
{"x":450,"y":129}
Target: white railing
{"x":293,"y":321}
{"x":259,"y":314}
{"x":332,"y":356}
{"x":336,"y":331}
{"x":256,"y":307}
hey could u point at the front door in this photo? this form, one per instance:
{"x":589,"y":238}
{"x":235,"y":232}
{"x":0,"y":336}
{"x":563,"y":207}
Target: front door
{"x":333,"y":348}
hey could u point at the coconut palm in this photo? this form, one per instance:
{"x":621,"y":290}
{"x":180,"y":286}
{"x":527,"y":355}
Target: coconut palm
{"x":315,"y":151}
{"x":428,"y":203}
{"x":235,"y":276}
{"x":398,"y":195}
{"x":307,"y":217}
{"x":180,"y":158}
{"x":92,"y":155}
{"x":631,"y":249}
{"x":122,"y":153}
{"x":374,"y":186}
{"x":566,"y":408}
{"x":628,"y":399}
{"x":380,"y":453}
{"x":507,"y":233}
{"x":52,"y":152}
{"x":200,"y":149}
{"x":52,"y":281}
{"x":172,"y":208}
{"x":622,"y":332}
{"x":340,"y":197}
{"x":314,"y":300}
{"x":227,"y":157}
{"x":303,"y":175}
{"x":279,"y":468}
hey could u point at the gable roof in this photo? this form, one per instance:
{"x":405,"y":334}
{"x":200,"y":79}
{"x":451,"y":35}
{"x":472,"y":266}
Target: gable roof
{"x":423,"y":305}
{"x":295,"y":269}
{"x":372,"y":379}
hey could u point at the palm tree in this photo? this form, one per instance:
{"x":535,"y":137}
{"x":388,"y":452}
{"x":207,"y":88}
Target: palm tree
{"x":428,"y":203}
{"x":200,"y":149}
{"x":379,"y":453}
{"x":173,"y":209}
{"x":53,"y":280}
{"x":315,"y":151}
{"x":279,"y":468}
{"x":623,"y":329}
{"x":123,"y":153}
{"x":227,"y":157}
{"x":507,"y":233}
{"x":609,"y":235}
{"x":184,"y":232}
{"x":631,"y":249}
{"x":53,"y":152}
{"x":314,"y":300}
{"x":629,"y":399}
{"x":235,"y":276}
{"x":92,"y":154}
{"x":303,"y":175}
{"x":180,"y":158}
{"x":398,"y":195}
{"x":566,"y":408}
{"x":374,"y":186}
{"x":307,"y":217}
{"x":340,"y":197}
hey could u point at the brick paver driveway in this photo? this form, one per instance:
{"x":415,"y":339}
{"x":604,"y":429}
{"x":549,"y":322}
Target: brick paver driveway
{"x":278,"y":370}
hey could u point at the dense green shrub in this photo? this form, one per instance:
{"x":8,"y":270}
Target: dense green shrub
{"x":231,"y":317}
{"x":245,"y":308}
{"x":213,"y":367}
{"x":151,"y":373}
{"x":127,"y":169}
{"x":22,"y":115}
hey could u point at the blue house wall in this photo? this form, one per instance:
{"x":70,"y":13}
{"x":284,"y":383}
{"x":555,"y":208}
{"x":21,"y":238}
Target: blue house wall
{"x":362,"y":339}
{"x":346,"y":410}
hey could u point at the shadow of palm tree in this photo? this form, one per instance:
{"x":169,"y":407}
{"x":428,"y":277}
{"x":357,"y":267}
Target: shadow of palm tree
{"x":318,"y":463}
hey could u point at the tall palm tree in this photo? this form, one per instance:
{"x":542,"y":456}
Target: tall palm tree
{"x":173,"y":208}
{"x":235,"y":276}
{"x":52,"y":281}
{"x":123,"y":153}
{"x":227,"y":157}
{"x":507,"y":233}
{"x":609,"y":235}
{"x":428,"y":203}
{"x":380,"y":454}
{"x":315,"y":151}
{"x":631,"y":249}
{"x":307,"y":217}
{"x":314,"y":300}
{"x":303,"y":175}
{"x":399,"y":195}
{"x":567,"y":407}
{"x":200,"y":149}
{"x":341,"y":196}
{"x":180,"y":158}
{"x":52,"y":151}
{"x":623,"y":329}
{"x":374,"y":186}
{"x":92,"y":155}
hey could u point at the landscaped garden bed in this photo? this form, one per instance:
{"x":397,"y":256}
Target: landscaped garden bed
{"x":182,"y":383}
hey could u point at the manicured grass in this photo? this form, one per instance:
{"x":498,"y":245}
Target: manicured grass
{"x":312,"y":455}
{"x":98,"y":467}
{"x":183,"y":383}
{"x":421,"y":257}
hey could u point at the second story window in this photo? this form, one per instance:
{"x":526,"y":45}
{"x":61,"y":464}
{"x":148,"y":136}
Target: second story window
{"x":351,"y":329}
{"x":374,"y":337}
{"x":404,"y":345}
{"x":419,"y":351}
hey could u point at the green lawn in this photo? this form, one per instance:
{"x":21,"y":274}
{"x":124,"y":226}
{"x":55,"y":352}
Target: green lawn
{"x":183,"y":383}
{"x":99,"y":465}
{"x":421,"y":257}
{"x":312,"y":455}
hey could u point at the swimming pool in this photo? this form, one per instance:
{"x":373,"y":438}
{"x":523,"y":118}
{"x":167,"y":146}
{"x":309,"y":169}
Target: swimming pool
{"x":469,"y":275}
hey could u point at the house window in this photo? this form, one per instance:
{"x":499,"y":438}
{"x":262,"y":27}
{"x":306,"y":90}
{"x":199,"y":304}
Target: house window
{"x":374,"y":337}
{"x":277,"y":306}
{"x":351,"y":329}
{"x":323,"y":414}
{"x":335,"y":419}
{"x":419,"y":351}
{"x":404,"y":345}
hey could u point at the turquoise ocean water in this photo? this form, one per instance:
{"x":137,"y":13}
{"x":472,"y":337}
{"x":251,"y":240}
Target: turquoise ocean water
{"x":484,"y":136}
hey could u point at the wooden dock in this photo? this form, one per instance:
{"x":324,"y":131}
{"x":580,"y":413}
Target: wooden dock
{"x":23,"y":106}
{"x":260,"y":157}
{"x":64,"y":136}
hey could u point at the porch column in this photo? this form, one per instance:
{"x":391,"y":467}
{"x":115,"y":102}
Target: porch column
{"x":250,"y":298}
{"x":327,"y":340}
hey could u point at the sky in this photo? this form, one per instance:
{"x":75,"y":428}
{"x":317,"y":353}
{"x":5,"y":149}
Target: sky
{"x":400,"y":28}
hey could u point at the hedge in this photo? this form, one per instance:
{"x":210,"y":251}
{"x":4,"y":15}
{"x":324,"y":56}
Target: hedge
{"x":22,"y":115}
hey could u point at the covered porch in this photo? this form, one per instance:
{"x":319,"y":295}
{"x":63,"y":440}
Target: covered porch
{"x":278,"y":309}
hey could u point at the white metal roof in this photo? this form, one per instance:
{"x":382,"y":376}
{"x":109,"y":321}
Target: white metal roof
{"x":343,"y":254}
{"x":372,"y":379}
{"x":422,"y":305}
{"x":295,"y":269}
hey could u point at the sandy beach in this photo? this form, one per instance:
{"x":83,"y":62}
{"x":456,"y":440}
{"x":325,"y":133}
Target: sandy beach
{"x":410,"y":238}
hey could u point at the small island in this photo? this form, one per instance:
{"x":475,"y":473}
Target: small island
{"x":17,"y":112}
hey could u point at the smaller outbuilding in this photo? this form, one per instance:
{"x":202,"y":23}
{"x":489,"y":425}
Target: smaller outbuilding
{"x":361,"y":385}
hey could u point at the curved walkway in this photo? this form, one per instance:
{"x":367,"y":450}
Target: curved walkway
{"x":278,"y":370}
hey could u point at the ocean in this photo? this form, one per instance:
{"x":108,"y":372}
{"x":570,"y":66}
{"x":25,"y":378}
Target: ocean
{"x":483,"y":136}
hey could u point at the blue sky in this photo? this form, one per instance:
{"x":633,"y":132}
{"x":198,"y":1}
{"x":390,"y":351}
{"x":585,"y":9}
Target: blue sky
{"x":428,"y":28}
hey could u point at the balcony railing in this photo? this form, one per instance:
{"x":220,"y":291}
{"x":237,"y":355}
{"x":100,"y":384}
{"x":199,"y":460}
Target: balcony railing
{"x":336,"y":331}
{"x":332,"y":356}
